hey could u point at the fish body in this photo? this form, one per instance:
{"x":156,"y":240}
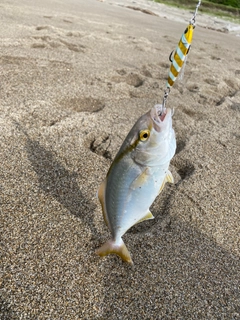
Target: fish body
{"x":137,"y":175}
{"x":180,"y":54}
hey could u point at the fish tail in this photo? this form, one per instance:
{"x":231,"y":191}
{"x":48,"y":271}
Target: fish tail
{"x":111,"y":246}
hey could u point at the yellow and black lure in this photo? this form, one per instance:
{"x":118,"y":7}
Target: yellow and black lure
{"x":179,"y":57}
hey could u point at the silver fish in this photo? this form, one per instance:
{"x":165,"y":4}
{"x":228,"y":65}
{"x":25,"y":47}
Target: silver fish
{"x":137,"y":175}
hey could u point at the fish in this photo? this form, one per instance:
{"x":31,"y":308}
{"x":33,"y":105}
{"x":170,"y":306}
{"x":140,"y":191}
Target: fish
{"x":180,"y":54}
{"x":136,"y":176}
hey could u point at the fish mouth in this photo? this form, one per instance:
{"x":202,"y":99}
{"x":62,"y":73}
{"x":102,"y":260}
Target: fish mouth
{"x":162,"y":114}
{"x":159,"y":114}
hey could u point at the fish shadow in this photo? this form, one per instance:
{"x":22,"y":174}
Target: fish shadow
{"x":56,"y":180}
{"x":189,"y":263}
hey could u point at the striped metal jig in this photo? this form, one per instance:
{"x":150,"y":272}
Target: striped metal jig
{"x":180,"y":54}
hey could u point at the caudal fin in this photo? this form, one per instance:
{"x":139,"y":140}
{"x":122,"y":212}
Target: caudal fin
{"x":112,"y":247}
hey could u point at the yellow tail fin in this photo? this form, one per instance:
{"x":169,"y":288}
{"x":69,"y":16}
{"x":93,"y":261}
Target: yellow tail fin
{"x":112,"y":247}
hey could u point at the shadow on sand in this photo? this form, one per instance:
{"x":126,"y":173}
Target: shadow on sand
{"x":56,"y":180}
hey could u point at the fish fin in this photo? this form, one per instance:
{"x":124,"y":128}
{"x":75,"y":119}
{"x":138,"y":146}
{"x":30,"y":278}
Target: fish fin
{"x":148,"y":216}
{"x":112,"y":247}
{"x":162,"y":186}
{"x":140,"y":180}
{"x":101,"y":197}
{"x":168,"y":178}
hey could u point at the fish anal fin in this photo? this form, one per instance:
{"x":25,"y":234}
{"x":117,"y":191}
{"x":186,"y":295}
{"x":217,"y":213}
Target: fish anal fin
{"x":101,"y":197}
{"x":168,"y":178}
{"x":162,"y":186}
{"x":111,"y":246}
{"x":140,"y":180}
{"x":148,"y":216}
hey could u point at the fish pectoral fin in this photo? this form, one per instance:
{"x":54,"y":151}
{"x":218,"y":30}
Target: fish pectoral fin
{"x":112,"y":247}
{"x":140,"y":180}
{"x":168,"y":178}
{"x":101,"y":197}
{"x":148,"y":216}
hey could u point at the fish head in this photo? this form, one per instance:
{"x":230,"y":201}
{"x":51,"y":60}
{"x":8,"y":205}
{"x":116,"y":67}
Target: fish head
{"x":153,"y":138}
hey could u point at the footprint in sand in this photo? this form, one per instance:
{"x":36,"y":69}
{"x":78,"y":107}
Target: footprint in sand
{"x":197,"y":116}
{"x":122,"y":72}
{"x":193,"y":88}
{"x":86,"y":104}
{"x":47,"y":41}
{"x":134,"y":80}
{"x":146,"y":72}
{"x":73,"y":46}
{"x":100,"y":145}
{"x":181,"y":144}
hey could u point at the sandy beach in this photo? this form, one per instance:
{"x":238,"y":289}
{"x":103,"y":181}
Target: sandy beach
{"x":75,"y":76}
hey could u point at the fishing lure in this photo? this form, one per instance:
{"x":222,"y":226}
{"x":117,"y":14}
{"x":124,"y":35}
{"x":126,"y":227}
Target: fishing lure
{"x":180,"y":55}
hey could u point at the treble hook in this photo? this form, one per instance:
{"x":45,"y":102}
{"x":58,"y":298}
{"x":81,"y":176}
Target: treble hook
{"x":170,"y":56}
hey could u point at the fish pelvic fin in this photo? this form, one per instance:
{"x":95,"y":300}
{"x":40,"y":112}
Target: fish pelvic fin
{"x":168,"y":178}
{"x":112,"y":247}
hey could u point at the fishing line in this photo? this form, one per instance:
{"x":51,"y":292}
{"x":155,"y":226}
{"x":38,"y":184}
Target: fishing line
{"x":178,"y":58}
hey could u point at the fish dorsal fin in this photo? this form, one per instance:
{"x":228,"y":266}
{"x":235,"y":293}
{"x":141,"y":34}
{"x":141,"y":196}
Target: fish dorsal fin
{"x":140,"y":180}
{"x":101,"y":197}
{"x":148,"y":216}
{"x":168,"y":178}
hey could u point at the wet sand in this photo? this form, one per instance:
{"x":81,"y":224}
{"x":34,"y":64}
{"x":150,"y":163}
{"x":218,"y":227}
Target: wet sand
{"x":74,"y":79}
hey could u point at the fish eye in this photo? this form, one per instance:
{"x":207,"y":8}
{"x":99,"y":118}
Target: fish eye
{"x":144,"y":135}
{"x":186,"y":31}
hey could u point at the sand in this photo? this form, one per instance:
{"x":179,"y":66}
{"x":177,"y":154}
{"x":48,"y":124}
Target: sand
{"x":75,"y":76}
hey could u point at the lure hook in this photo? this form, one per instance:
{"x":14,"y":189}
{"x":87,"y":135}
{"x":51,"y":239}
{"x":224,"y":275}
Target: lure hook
{"x":170,"y":56}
